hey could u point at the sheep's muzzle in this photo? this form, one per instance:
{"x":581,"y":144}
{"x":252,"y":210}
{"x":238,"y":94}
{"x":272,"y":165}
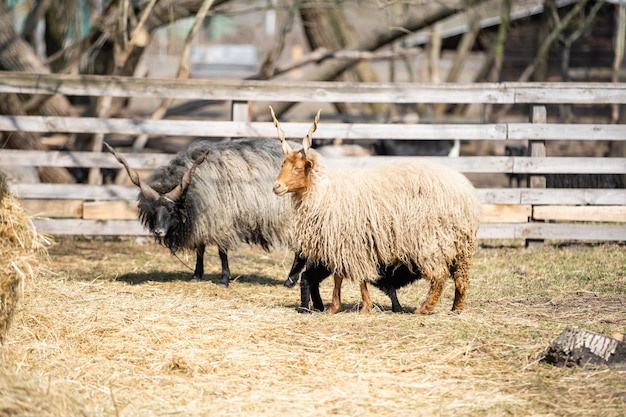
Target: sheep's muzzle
{"x":280,"y":188}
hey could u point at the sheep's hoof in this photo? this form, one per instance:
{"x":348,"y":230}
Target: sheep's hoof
{"x":424,"y":311}
{"x":304,"y":310}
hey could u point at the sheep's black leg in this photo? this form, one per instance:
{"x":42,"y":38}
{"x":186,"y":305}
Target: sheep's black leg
{"x":296,"y":267}
{"x":315,"y":274}
{"x":226,"y":277}
{"x":396,"y":307}
{"x":310,"y":287}
{"x":305,"y":295}
{"x":199,"y":271}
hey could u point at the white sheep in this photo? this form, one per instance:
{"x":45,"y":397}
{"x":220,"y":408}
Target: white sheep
{"x":414,"y":214}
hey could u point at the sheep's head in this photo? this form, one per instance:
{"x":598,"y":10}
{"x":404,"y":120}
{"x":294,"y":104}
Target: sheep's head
{"x":158,"y":211}
{"x":295,"y":173}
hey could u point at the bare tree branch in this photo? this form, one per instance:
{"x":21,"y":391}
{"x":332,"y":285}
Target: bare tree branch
{"x":545,"y":47}
{"x":373,"y":40}
{"x":183,"y":72}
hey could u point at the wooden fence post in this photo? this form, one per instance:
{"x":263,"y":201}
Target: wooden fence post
{"x":239,"y":112}
{"x":536,"y":149}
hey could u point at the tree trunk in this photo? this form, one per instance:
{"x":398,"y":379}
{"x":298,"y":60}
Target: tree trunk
{"x":463,"y":50}
{"x":10,"y":104}
{"x":580,"y":347}
{"x":17,"y":55}
{"x":326,"y":26}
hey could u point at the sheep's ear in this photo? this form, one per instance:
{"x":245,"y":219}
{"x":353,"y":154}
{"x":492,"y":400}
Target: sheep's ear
{"x":307,"y":141}
{"x":281,"y":133}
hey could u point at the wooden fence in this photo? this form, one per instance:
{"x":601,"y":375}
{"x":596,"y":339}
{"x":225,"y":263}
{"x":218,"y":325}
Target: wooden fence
{"x":534,"y":213}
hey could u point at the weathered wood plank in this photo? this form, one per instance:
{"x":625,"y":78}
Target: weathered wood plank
{"x":79,"y":227}
{"x":499,"y":195}
{"x":313,"y":91}
{"x":553,"y":231}
{"x":239,"y":129}
{"x":110,"y":210}
{"x":75,"y":191}
{"x":582,"y":196}
{"x":53,"y":208}
{"x":486,"y":195}
{"x":245,"y":90}
{"x":506,"y":231}
{"x":148,"y":161}
{"x":571,"y":232}
{"x":506,"y":213}
{"x":580,"y":213}
{"x":569,"y":165}
{"x":574,"y":93}
{"x":478,"y":164}
{"x":487,"y":164}
{"x":352,"y":131}
{"x":561,"y":131}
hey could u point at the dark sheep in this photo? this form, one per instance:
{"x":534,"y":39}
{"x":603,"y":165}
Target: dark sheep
{"x":215,"y":193}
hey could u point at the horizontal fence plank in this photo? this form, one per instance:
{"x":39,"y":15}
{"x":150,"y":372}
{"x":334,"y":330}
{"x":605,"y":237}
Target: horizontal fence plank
{"x":553,"y":231}
{"x":562,"y":131}
{"x":566,"y":232}
{"x":127,"y":210}
{"x":569,"y":165}
{"x":110,"y":210}
{"x":580,"y":213}
{"x":580,"y":196}
{"x":573,"y":93}
{"x":67,"y":159}
{"x":496,"y":164}
{"x":79,"y":227}
{"x":351,"y":131}
{"x":486,"y":195}
{"x":312,"y":91}
{"x":467,"y":164}
{"x":53,"y":208}
{"x":218,"y":129}
{"x":75,"y":191}
{"x":506,"y":213}
{"x":245,"y":90}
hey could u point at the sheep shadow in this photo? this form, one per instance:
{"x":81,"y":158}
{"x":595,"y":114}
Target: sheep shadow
{"x":351,"y":308}
{"x":144,"y":277}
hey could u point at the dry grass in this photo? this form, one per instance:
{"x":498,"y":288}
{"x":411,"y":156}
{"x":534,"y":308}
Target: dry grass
{"x":117,"y":325}
{"x":22,"y":253}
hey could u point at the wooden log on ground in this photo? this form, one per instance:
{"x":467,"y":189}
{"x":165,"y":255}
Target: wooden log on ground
{"x":580,"y":347}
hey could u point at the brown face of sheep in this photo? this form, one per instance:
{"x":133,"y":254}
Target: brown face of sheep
{"x":295,"y":174}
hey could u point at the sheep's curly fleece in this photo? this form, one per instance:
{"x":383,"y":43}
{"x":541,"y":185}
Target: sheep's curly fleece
{"x":411,"y":213}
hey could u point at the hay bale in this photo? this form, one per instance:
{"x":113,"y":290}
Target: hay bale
{"x":22,"y":254}
{"x":21,"y":396}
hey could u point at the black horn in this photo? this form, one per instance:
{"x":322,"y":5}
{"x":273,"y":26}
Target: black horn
{"x":180,"y":189}
{"x":146,"y":190}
